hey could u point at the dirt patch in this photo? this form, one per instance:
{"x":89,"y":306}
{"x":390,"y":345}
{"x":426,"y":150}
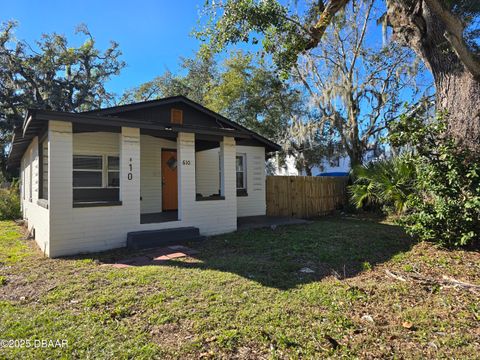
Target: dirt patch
{"x":33,"y":277}
{"x":172,"y":335}
{"x":438,"y":313}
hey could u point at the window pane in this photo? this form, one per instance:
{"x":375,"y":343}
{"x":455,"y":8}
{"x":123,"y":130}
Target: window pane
{"x":113,"y":163}
{"x":240,"y":184}
{"x":239,"y":163}
{"x":113,"y":179}
{"x":87,"y":179}
{"x":87,"y":162}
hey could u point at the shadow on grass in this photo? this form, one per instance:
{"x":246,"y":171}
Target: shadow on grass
{"x":275,"y":258}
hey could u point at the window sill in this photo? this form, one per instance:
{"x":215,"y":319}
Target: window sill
{"x":43,"y":203}
{"x":242,"y":192}
{"x":84,"y":204}
{"x":209,"y":198}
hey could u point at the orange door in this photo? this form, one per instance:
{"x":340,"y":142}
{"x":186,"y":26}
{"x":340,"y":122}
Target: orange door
{"x":169,"y":180}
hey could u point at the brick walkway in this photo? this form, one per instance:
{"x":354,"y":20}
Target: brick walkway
{"x":155,"y":256}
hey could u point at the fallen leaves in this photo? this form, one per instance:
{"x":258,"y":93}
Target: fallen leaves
{"x":334,"y":343}
{"x":408,"y":325}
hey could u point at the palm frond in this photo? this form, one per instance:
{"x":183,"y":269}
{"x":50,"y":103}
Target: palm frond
{"x":385,"y":183}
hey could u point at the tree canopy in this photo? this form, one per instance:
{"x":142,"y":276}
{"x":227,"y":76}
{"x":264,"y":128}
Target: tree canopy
{"x":443,"y":33}
{"x":289,"y":29}
{"x":51,"y":74}
{"x":253,"y":95}
{"x":355,"y":84}
{"x":240,"y":88}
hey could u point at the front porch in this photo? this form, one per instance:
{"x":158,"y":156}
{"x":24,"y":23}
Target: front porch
{"x":161,"y":169}
{"x":127,"y":180}
{"x":174,"y":174}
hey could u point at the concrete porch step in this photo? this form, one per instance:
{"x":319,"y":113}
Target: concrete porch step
{"x":155,"y":238}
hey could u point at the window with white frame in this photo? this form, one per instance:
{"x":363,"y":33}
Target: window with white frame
{"x":95,"y":171}
{"x":113,"y":168}
{"x":87,"y":171}
{"x":241,"y":173}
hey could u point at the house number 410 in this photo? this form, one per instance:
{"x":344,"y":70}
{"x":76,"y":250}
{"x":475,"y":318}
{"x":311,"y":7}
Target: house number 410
{"x":130,"y":169}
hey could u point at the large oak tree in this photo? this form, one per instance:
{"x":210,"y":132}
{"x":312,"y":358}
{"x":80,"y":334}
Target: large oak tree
{"x":51,"y":74}
{"x":356,"y":83}
{"x":443,"y":33}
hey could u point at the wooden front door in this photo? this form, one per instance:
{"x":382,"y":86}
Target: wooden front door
{"x":169,"y":180}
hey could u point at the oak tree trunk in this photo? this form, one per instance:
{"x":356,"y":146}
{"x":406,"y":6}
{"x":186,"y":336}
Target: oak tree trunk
{"x":457,"y":91}
{"x":355,"y":147}
{"x":459,"y":95}
{"x":356,"y":156}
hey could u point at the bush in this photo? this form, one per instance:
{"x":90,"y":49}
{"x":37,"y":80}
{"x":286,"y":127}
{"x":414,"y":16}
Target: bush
{"x":445,"y":207}
{"x":385,"y":184}
{"x":10,"y":203}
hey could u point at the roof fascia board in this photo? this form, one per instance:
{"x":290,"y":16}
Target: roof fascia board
{"x":114,"y":121}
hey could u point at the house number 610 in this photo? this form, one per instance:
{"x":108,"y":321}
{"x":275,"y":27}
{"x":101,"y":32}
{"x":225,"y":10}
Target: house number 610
{"x":130,"y":168}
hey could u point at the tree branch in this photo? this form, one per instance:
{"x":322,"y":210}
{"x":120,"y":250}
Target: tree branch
{"x":318,"y":30}
{"x":454,"y":35}
{"x":359,"y":43}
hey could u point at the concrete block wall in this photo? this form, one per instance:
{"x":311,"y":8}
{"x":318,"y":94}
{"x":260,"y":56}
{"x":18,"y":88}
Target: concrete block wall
{"x":212,"y":216}
{"x":208,"y":182}
{"x":92,"y":229}
{"x":207,"y":172}
{"x":37,"y":217}
{"x":255,"y":203}
{"x":74,"y":230}
{"x":60,"y":186}
{"x":88,"y":143}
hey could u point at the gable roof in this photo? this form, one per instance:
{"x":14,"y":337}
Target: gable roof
{"x":114,"y":110}
{"x":131,"y":115}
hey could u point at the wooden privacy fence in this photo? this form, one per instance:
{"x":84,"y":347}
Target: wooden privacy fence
{"x":304,"y":196}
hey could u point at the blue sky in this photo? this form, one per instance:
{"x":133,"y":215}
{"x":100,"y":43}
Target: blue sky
{"x":152,"y":34}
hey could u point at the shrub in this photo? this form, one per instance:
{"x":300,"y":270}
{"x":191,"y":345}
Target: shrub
{"x":10,"y":203}
{"x":445,"y":207}
{"x":385,"y":184}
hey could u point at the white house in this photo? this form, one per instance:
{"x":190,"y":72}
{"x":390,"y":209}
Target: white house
{"x":338,"y":166}
{"x":90,"y":180}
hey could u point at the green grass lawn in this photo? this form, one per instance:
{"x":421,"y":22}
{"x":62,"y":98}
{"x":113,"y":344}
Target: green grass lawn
{"x":243,"y":296}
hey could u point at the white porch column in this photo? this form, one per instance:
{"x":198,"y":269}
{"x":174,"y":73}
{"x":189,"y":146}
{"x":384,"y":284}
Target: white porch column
{"x":228,"y":186}
{"x":60,"y":187}
{"x":130,"y":174}
{"x":185,"y":173}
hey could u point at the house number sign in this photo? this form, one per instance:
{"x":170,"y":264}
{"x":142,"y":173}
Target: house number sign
{"x":186,"y":162}
{"x":130,"y":169}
